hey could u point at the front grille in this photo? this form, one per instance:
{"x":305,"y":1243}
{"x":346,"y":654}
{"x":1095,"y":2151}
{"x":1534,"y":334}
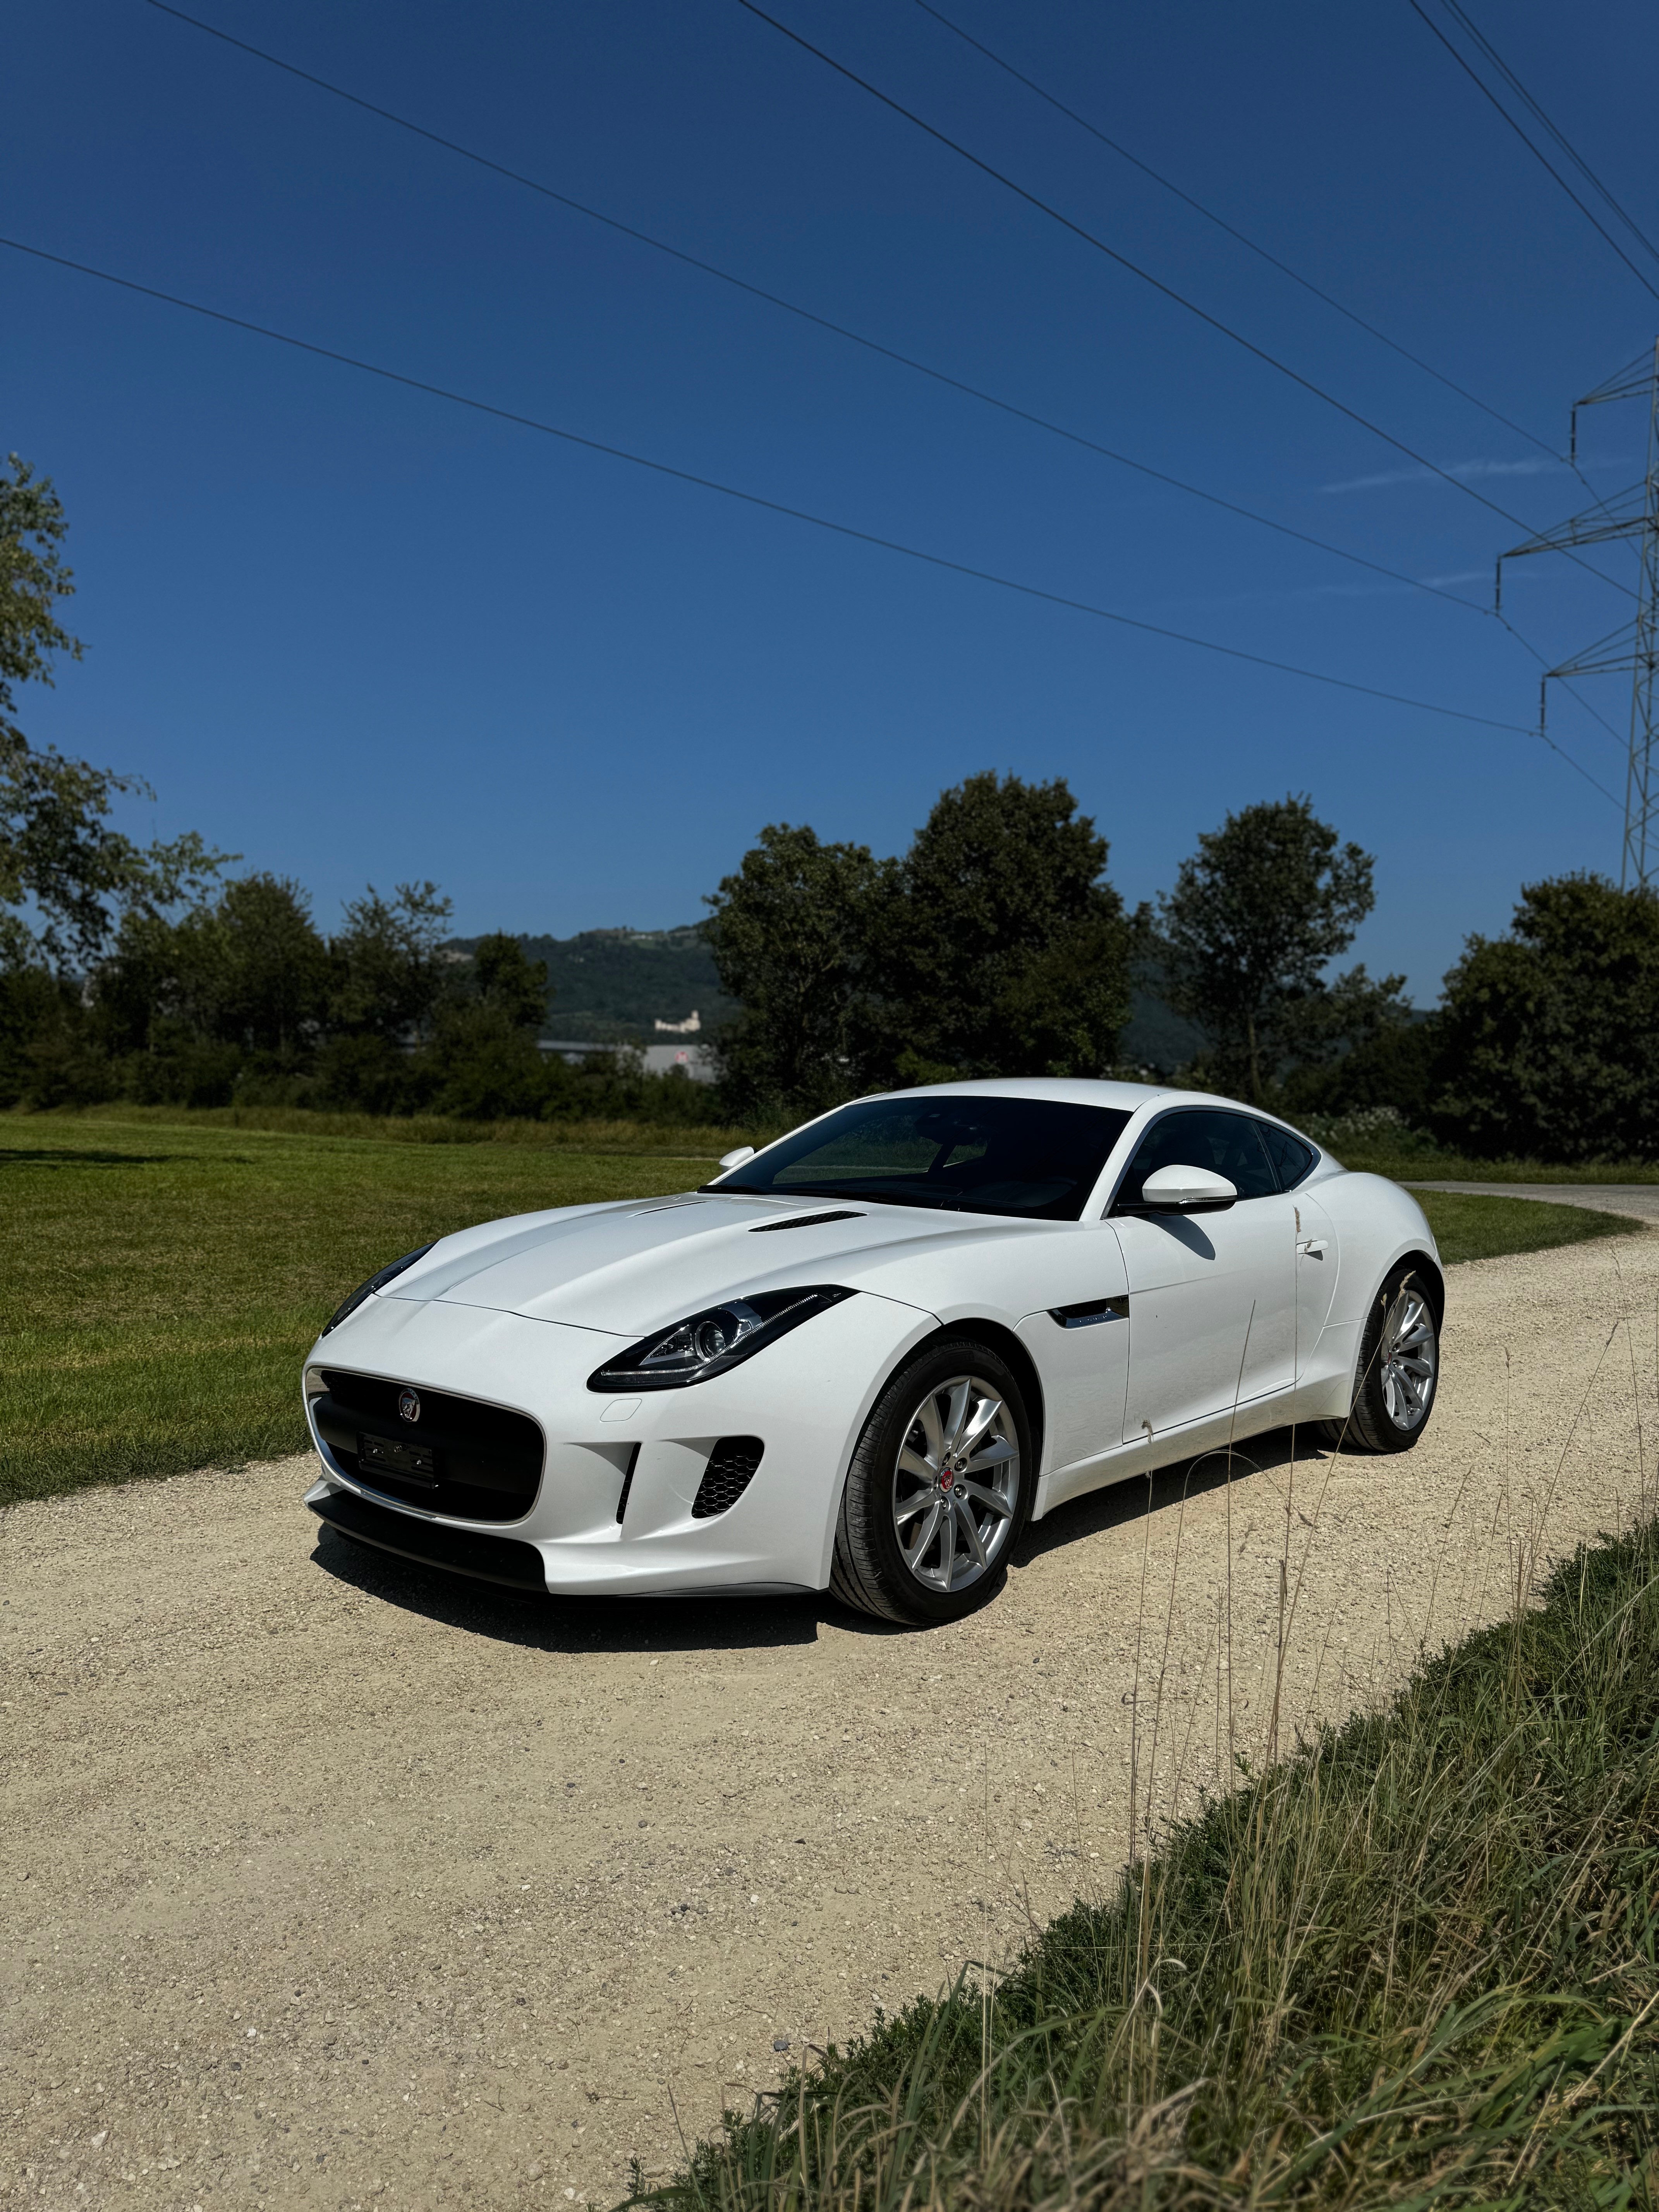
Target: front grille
{"x":458,"y":1551}
{"x":474,"y":1462}
{"x":731,"y":1468}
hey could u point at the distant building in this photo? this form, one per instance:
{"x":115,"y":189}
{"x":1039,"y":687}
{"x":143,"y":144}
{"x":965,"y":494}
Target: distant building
{"x":694,"y":1061}
{"x":688,"y":1027}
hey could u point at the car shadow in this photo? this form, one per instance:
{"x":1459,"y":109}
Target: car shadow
{"x":1098,"y":1510}
{"x":539,"y":1623}
{"x":694,"y":1623}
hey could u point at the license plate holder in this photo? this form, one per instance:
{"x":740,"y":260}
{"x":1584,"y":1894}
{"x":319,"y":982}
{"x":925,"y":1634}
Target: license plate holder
{"x":410,"y":1462}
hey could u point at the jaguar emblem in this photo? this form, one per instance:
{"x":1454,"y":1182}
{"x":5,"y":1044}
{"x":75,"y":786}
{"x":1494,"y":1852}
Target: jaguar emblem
{"x":409,"y":1404}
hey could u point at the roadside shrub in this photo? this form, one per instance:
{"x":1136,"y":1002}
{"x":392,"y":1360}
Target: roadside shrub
{"x":1548,"y":1043}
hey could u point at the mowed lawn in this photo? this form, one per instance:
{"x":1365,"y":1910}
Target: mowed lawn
{"x":162,"y":1281}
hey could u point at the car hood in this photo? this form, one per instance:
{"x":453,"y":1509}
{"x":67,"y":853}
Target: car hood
{"x":630,"y":1269}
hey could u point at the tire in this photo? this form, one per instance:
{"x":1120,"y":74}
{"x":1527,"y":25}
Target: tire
{"x":939,"y":1489}
{"x":1398,"y":1377}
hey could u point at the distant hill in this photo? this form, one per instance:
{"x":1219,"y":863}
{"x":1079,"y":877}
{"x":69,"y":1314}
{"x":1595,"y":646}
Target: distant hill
{"x":610,"y":985}
{"x":613,"y":984}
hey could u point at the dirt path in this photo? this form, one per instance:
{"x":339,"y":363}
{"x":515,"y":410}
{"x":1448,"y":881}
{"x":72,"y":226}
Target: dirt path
{"x":331,"y":1883}
{"x":1640,"y":1199}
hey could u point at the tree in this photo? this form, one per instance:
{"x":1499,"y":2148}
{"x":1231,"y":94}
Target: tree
{"x":1001,"y":948}
{"x":1548,"y":1041}
{"x":389,"y":963}
{"x":790,"y":933}
{"x":1256,"y":915}
{"x":60,"y":862}
{"x":233,"y":989}
{"x":484,"y":1054}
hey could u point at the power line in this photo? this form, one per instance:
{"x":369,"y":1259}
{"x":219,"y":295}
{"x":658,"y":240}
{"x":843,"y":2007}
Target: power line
{"x":757,"y":500}
{"x":1472,"y":30}
{"x":1122,"y":260}
{"x":1476,"y":78}
{"x":1230,"y":230}
{"x":823,"y":322}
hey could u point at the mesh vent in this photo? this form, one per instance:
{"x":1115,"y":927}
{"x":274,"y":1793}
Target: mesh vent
{"x":731,"y":1466}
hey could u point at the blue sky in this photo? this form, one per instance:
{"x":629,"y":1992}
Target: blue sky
{"x":355,"y":633}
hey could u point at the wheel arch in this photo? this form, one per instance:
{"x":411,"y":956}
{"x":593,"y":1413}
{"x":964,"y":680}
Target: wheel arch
{"x":1005,"y":1343}
{"x":1424,"y":1264}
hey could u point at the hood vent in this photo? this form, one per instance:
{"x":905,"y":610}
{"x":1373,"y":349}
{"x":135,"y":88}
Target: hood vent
{"x":803,"y":1221}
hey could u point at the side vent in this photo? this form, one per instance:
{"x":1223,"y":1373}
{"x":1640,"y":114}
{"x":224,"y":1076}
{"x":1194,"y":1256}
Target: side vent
{"x":731,"y":1468}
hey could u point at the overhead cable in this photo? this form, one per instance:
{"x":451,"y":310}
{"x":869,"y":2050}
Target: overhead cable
{"x":823,"y":322}
{"x":757,"y":499}
{"x":1476,"y":78}
{"x":1167,"y":291}
{"x":1460,"y":15}
{"x":1231,"y":230}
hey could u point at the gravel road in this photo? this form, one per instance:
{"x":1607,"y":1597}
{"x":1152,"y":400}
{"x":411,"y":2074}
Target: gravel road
{"x":333,"y":1883}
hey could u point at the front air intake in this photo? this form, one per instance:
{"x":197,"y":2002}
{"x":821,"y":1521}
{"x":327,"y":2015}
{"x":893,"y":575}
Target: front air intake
{"x":730,"y":1470}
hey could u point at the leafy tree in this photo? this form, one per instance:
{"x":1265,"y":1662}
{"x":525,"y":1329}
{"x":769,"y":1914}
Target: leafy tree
{"x":1001,"y":948}
{"x":1256,"y":915}
{"x":33,"y":579}
{"x":508,"y":982}
{"x":483,"y":1055}
{"x":389,"y":963}
{"x":233,"y":989}
{"x":61,"y":867}
{"x":1548,"y":1040}
{"x":790,"y":933}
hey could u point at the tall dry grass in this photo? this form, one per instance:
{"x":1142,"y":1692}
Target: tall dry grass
{"x":1412,"y":1959}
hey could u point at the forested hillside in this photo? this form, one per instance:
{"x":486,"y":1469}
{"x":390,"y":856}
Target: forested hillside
{"x":614,"y":982}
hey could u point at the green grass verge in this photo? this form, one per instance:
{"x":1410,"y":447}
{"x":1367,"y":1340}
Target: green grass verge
{"x":694,"y":1139}
{"x":1469,"y":1228}
{"x":1416,"y":1963}
{"x":1434,"y":1166}
{"x":164,"y":1275}
{"x":162,"y":1283}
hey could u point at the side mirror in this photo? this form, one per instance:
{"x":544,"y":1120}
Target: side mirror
{"x":1187,"y":1190}
{"x":736,"y":1159}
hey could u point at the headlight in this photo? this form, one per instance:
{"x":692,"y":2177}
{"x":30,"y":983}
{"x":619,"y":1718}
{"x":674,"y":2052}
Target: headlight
{"x":712,"y":1341}
{"x":368,"y":1290}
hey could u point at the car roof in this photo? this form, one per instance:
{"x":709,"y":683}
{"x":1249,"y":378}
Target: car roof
{"x":1067,"y":1090}
{"x":1085,"y":1090}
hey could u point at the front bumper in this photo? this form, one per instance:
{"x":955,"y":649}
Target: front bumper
{"x":806,"y":1397}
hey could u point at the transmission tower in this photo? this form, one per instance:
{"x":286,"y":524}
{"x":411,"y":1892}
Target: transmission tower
{"x":1635,"y":645}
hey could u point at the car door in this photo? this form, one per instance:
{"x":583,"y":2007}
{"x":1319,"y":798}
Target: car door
{"x":1078,"y":1338}
{"x":1213,"y":1315}
{"x":1317,"y":1253}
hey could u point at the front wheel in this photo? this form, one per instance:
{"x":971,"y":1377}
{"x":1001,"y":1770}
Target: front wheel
{"x":939,"y":1489}
{"x":1398,"y":1367}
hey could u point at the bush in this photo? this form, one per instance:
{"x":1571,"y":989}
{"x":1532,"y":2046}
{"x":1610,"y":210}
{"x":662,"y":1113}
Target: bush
{"x":1548,"y":1044}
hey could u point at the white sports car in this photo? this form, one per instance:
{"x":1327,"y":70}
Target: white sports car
{"x":975,"y":1301}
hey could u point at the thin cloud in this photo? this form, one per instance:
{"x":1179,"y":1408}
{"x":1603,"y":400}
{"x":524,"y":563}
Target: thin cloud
{"x":1464,"y":472}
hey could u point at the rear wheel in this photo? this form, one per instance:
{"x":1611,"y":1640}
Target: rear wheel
{"x":939,"y":1489}
{"x":1398,"y":1367}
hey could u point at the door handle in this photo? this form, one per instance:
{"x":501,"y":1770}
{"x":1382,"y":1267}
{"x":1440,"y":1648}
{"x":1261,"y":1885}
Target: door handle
{"x":1312,"y":1248}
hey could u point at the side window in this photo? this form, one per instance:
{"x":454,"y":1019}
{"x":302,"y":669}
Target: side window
{"x":1289,"y":1154}
{"x":1203,"y":1137}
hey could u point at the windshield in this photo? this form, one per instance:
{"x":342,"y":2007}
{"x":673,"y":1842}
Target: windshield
{"x":1026,"y":1156}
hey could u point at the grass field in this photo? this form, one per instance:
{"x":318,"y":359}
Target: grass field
{"x":162,"y":1279}
{"x":1415,"y":1965}
{"x":162,"y":1283}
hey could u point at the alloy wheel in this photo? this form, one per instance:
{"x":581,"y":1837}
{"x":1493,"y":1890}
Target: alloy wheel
{"x":1409,"y":1356}
{"x":955,"y":1484}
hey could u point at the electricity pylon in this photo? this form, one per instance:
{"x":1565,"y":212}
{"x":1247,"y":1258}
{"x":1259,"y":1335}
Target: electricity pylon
{"x":1635,"y":644}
